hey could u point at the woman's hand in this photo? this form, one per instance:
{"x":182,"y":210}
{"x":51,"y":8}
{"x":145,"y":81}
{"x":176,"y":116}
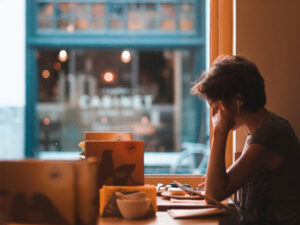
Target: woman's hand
{"x":202,"y":184}
{"x":222,"y":119}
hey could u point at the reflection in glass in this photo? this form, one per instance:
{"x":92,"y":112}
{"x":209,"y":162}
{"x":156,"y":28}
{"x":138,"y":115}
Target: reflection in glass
{"x":46,"y":11}
{"x":80,"y":9}
{"x":168,"y":24}
{"x":145,"y":92}
{"x":45,"y":22}
{"x":72,"y":17}
{"x":168,"y":14}
{"x":151,"y":17}
{"x":135,"y":15}
{"x":64,"y":24}
{"x":116,"y":19}
{"x":98,"y":9}
{"x":187,"y":17}
{"x":186,"y":9}
{"x":101,"y":93}
{"x":81,"y":24}
{"x":97,"y":24}
{"x":187,"y":24}
{"x":65,"y":8}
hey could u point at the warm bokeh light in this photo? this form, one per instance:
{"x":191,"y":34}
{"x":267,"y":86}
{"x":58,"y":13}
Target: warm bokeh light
{"x":37,"y":54}
{"x":63,"y":55}
{"x":125,"y":56}
{"x":144,"y":120}
{"x":70,"y":28}
{"x":46,"y":121}
{"x":45,"y":74}
{"x":108,"y":77}
{"x":57,"y":66}
{"x":104,"y":119}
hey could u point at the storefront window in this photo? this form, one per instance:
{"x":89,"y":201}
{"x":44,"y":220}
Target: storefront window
{"x":118,"y":67}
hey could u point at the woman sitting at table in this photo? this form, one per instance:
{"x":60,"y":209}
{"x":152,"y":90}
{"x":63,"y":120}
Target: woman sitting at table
{"x":268,"y":169}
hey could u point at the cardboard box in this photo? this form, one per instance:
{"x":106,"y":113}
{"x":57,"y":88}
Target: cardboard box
{"x":87,"y":192}
{"x":107,"y":136}
{"x":52,"y":192}
{"x":120,"y":162}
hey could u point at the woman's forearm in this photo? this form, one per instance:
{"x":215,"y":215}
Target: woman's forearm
{"x":216,"y":176}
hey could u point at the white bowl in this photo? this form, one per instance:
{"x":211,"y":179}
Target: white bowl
{"x":133,"y":209}
{"x":136,"y":196}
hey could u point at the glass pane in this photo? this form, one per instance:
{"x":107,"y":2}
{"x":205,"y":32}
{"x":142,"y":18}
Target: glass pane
{"x":168,"y":24}
{"x":168,"y":14}
{"x":97,"y":24}
{"x":144,"y":91}
{"x":168,"y":10}
{"x":116,"y":24}
{"x":187,"y":15}
{"x":116,"y":17}
{"x":187,"y":9}
{"x":98,"y":9}
{"x":121,"y":16}
{"x":81,"y":24}
{"x":46,"y":11}
{"x":65,"y":8}
{"x":80,"y":9}
{"x":187,"y":24}
{"x":134,"y":14}
{"x":151,"y":17}
{"x":65,"y":24}
{"x":119,"y":90}
{"x":45,"y":22}
{"x":98,"y":13}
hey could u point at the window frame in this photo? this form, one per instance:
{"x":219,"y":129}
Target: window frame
{"x":221,"y":43}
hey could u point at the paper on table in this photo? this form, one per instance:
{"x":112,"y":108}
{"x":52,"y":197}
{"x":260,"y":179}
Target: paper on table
{"x":192,"y":213}
{"x":168,"y":195}
{"x":200,"y":202}
{"x":192,"y":191}
{"x":191,"y":203}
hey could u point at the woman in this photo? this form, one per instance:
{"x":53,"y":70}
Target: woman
{"x":269,"y":165}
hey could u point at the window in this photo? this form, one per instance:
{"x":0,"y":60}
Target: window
{"x":126,"y":66}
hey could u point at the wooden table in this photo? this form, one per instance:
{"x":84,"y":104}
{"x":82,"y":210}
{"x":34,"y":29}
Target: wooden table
{"x":163,"y":218}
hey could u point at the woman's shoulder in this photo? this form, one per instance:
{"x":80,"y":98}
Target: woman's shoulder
{"x":277,"y":122}
{"x":276,"y":134}
{"x":279,"y":127}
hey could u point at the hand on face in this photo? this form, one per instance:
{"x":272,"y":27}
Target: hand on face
{"x":222,"y":119}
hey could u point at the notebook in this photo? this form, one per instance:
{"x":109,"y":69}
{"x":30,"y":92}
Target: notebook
{"x":194,"y":213}
{"x":52,"y":192}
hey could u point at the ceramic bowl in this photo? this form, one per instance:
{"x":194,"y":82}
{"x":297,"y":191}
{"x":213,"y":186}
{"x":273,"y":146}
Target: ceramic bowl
{"x":133,"y":209}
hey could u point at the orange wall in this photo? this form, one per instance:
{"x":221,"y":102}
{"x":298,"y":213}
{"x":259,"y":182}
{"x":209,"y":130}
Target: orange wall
{"x":268,"y":32}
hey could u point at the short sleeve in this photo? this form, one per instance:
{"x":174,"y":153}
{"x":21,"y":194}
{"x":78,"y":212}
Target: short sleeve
{"x":276,"y":135}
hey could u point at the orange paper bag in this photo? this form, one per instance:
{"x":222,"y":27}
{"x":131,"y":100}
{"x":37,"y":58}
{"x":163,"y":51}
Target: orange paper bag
{"x":107,"y":136}
{"x":120,"y":162}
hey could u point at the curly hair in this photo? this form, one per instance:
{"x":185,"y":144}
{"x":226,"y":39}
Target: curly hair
{"x":230,"y":76}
